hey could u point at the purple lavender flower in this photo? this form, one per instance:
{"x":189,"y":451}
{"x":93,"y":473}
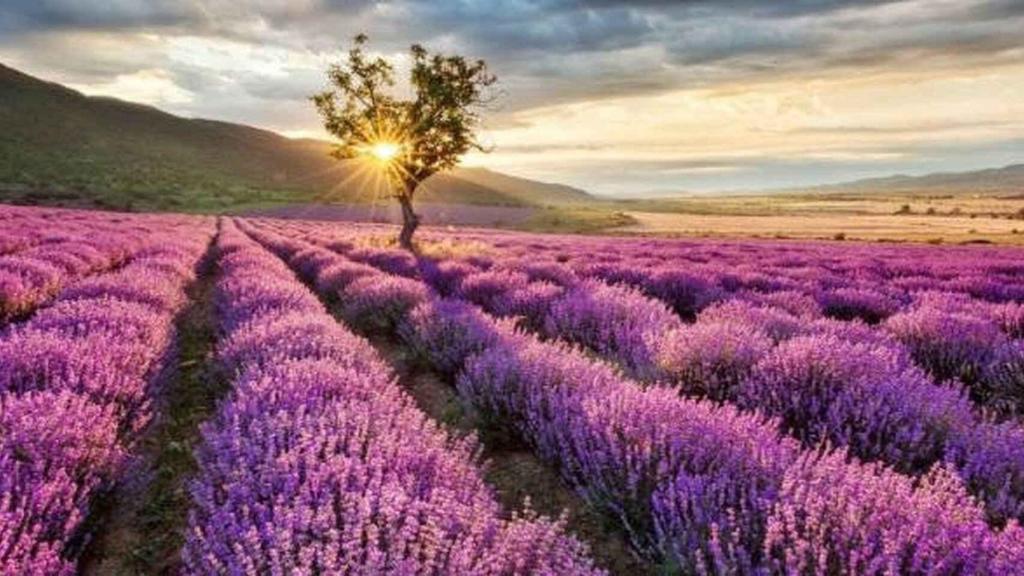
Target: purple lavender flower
{"x":447,"y":332}
{"x":775,"y":322}
{"x":674,"y":471}
{"x":1010,"y":318}
{"x":613,"y":321}
{"x":133,"y":284}
{"x":794,"y":302}
{"x":948,"y":345}
{"x":25,"y":283}
{"x":390,"y":260}
{"x":488,"y":289}
{"x":990,"y":459}
{"x":530,"y":303}
{"x":332,"y":279}
{"x":381,"y":301}
{"x":862,"y":396}
{"x":871,"y":306}
{"x":1004,"y":379}
{"x":548,"y":271}
{"x":842,"y":518}
{"x":445,"y":276}
{"x":709,"y":359}
{"x":687,"y":293}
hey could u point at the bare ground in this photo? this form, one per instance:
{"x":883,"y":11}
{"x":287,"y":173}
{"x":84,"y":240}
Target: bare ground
{"x":143,"y":528}
{"x":872,"y":227}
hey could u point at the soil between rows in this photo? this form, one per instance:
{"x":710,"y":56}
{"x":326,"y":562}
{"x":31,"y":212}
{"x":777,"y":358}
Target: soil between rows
{"x":142,"y":527}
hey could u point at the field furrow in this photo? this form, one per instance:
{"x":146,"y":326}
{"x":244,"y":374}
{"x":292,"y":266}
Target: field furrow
{"x":144,"y":527}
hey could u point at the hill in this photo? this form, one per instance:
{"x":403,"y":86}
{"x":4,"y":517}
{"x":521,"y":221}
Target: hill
{"x":59,"y":146}
{"x":1007,"y":181}
{"x":530,"y":191}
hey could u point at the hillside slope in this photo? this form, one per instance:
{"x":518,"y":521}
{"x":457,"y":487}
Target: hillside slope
{"x":58,"y":146}
{"x":527,"y":190}
{"x":1005,"y":181}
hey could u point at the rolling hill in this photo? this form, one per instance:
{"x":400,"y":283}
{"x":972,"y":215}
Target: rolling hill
{"x":58,"y":146}
{"x":1007,"y":181}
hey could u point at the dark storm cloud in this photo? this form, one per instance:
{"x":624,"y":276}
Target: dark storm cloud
{"x":531,"y":36}
{"x":545,"y":51}
{"x":755,"y":7}
{"x":34,"y":15}
{"x":999,"y":9}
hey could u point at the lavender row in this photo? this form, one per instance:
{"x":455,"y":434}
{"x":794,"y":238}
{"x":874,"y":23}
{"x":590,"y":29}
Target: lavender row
{"x":28,"y":227}
{"x":824,"y":380}
{"x":700,"y":487}
{"x":958,"y":311}
{"x":693,"y":273}
{"x":76,"y":383}
{"x":36,"y":274}
{"x":841,"y":281}
{"x":827,"y":380}
{"x":318,"y":463}
{"x":951,"y":334}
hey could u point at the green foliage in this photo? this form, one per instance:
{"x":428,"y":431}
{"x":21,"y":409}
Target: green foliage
{"x":434,"y":129}
{"x":58,"y":147}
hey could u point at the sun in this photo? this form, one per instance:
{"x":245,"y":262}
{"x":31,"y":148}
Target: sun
{"x":384,"y":152}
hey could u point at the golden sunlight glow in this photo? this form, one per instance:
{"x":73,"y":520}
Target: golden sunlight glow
{"x":382,"y":171}
{"x":384,"y":151}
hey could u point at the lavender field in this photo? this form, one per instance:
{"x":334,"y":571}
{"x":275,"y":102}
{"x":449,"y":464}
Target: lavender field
{"x":613,"y":405}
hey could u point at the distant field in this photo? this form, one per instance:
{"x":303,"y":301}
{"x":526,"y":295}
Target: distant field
{"x":830,"y":226}
{"x":951,"y":220}
{"x":861,"y":204}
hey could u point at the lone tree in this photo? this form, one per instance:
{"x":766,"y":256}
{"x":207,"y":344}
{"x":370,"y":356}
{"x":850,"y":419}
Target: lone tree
{"x":409,"y":140}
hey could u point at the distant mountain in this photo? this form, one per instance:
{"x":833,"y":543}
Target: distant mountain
{"x":1006,"y":181}
{"x":58,"y":146}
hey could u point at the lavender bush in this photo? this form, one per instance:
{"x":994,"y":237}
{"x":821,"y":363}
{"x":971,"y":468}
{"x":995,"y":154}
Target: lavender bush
{"x":76,"y":382}
{"x":318,"y":463}
{"x":615,"y":321}
{"x":704,"y":488}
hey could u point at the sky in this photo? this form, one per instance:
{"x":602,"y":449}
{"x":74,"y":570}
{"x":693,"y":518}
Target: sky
{"x":627,"y":98}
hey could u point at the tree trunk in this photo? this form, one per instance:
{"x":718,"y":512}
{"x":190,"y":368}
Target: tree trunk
{"x":410,"y":220}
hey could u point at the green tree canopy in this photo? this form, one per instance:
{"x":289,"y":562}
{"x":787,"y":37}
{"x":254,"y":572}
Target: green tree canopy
{"x":409,"y":139}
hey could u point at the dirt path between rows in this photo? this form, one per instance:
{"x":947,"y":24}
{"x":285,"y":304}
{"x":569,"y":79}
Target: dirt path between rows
{"x":143,"y":529}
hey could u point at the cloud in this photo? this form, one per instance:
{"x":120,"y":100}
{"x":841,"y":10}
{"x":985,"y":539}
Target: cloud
{"x":150,"y":86}
{"x":667,"y":85}
{"x":37,"y":15}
